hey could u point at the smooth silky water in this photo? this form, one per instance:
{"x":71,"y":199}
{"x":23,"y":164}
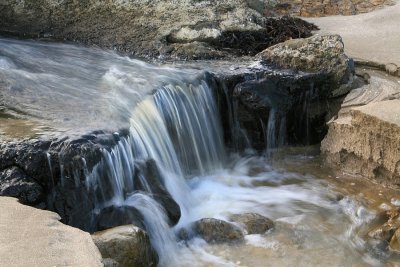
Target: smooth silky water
{"x":173,"y":119}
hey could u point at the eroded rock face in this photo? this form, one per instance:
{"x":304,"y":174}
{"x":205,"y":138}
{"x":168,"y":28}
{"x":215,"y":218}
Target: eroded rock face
{"x":218,"y":231}
{"x":125,"y":246}
{"x":253,"y":223}
{"x":371,"y":144}
{"x":186,"y":29}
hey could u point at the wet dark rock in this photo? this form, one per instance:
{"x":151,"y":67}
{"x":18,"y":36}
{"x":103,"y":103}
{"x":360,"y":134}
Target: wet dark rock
{"x":15,"y":183}
{"x":253,"y":223}
{"x":156,"y":188}
{"x":113,"y":216}
{"x":29,"y":156}
{"x":126,"y":245}
{"x":217,"y":231}
{"x":300,"y":101}
{"x":73,"y":203}
{"x":50,"y":173}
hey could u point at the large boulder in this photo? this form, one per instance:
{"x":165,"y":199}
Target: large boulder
{"x":126,"y":246}
{"x":218,"y":231}
{"x":319,"y":53}
{"x":253,"y":223}
{"x":34,"y":237}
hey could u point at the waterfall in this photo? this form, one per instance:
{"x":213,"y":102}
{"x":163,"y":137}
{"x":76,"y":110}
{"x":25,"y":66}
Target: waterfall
{"x":179,"y":128}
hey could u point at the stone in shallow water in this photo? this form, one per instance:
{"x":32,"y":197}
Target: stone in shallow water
{"x":127,"y":245}
{"x":254,"y":223}
{"x":395,"y":242}
{"x":218,"y":231}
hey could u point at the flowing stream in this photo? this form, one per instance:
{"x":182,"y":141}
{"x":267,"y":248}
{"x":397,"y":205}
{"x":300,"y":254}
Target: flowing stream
{"x":173,"y":119}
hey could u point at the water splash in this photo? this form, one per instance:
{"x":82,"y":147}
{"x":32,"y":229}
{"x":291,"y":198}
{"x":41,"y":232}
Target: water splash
{"x":179,"y":128}
{"x":161,"y":235}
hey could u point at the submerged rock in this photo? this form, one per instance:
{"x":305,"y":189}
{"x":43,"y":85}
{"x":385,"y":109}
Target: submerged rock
{"x":218,"y":231}
{"x":125,"y":246}
{"x":253,"y":223}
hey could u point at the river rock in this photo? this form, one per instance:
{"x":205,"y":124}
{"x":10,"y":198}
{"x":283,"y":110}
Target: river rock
{"x":394,"y":244}
{"x":392,"y":69}
{"x":126,"y":245}
{"x":34,"y":237}
{"x":253,"y":223}
{"x":218,"y":231}
{"x":385,"y":232}
{"x":319,"y":53}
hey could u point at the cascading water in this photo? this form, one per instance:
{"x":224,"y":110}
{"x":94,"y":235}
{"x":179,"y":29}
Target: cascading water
{"x":177,"y":127}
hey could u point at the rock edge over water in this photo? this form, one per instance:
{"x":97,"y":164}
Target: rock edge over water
{"x":33,"y":237}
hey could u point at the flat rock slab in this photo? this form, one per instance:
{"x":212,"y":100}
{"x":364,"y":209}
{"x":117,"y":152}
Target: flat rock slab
{"x":33,"y":237}
{"x":380,"y":87}
{"x":372,"y":36}
{"x":388,"y":111}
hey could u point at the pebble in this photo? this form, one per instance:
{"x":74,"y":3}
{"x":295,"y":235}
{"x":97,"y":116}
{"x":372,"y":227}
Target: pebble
{"x":385,"y":207}
{"x":395,"y":202}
